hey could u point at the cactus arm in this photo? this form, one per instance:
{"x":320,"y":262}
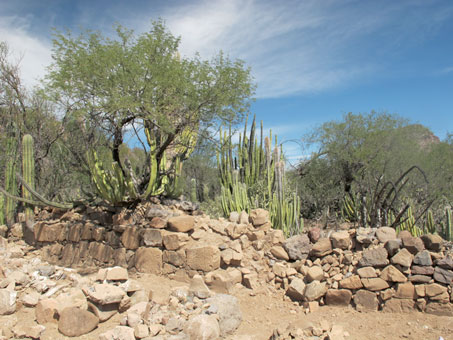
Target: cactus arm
{"x":28,"y":170}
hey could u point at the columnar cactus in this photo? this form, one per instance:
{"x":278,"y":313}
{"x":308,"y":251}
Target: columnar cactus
{"x":28,"y":172}
{"x":10,"y":178}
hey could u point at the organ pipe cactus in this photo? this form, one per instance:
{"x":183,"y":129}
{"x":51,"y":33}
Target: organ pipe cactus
{"x":446,"y":228}
{"x":2,"y":209}
{"x":28,"y":172}
{"x":10,"y":177}
{"x":249,"y":167}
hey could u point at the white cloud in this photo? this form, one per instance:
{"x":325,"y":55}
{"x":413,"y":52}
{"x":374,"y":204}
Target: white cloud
{"x":304,"y":46}
{"x":33,"y":53}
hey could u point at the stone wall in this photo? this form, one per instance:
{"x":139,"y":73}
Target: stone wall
{"x":372,"y":269}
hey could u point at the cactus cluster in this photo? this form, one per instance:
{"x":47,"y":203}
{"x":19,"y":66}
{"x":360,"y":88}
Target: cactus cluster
{"x":409,"y":224}
{"x":253,"y":176}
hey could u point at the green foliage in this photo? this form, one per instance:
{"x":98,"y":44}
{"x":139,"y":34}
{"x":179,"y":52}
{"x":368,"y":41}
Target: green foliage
{"x":254,"y":177}
{"x":141,"y":84}
{"x":2,"y":209}
{"x":28,"y":172}
{"x":409,"y":224}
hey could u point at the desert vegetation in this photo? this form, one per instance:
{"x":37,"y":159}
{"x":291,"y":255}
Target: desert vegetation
{"x":119,"y":120}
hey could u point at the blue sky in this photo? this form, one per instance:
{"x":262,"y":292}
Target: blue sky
{"x":312,"y":60}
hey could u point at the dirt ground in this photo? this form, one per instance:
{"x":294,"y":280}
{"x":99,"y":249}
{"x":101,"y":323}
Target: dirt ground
{"x":267,"y":310}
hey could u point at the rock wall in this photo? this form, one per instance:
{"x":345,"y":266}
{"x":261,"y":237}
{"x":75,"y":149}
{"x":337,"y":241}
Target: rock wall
{"x":372,"y":269}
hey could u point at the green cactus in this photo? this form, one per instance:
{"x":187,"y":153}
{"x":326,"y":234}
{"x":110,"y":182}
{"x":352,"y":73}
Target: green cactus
{"x":10,"y":178}
{"x":430,"y":227}
{"x":2,"y":210}
{"x":446,"y":228}
{"x":255,"y":168}
{"x":28,"y":172}
{"x":409,"y":224}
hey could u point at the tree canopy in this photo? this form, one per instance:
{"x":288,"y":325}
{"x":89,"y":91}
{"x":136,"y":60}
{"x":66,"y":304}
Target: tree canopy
{"x":120,"y":85}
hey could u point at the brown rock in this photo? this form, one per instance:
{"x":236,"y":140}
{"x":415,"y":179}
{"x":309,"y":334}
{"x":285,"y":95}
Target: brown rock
{"x":26,"y":331}
{"x":432,"y":242}
{"x":46,"y":311}
{"x":298,"y":247}
{"x":367,"y":272}
{"x":413,"y":244}
{"x":422,"y":270}
{"x":321,"y":248}
{"x":434,"y":289}
{"x":338,"y":297}
{"x":74,"y":297}
{"x":152,"y":238}
{"x":376,"y":257}
{"x":341,"y":239}
{"x":443,"y":275}
{"x":296,"y":289}
{"x":182,"y":224}
{"x":131,"y":238}
{"x":365,"y":301}
{"x":385,"y":234}
{"x":353,"y":282}
{"x":117,"y":274}
{"x":419,"y":278}
{"x":258,"y":217}
{"x":205,"y":258}
{"x":315,"y":290}
{"x":374,"y":284}
{"x":103,"y":293}
{"x":174,"y":241}
{"x":148,"y":260}
{"x":279,"y":253}
{"x":49,"y":232}
{"x":405,"y":291}
{"x":158,"y":223}
{"x":403,"y":258}
{"x":75,"y":322}
{"x":391,"y":274}
{"x":104,"y":312}
{"x":119,"y":332}
{"x":399,"y":306}
{"x":315,"y":273}
{"x":176,"y":258}
{"x":441,"y":309}
{"x":314,"y":234}
{"x":203,"y":327}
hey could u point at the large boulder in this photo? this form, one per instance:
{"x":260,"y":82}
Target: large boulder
{"x":205,"y":258}
{"x":298,"y":247}
{"x":341,"y":239}
{"x":148,"y":260}
{"x":103,"y":293}
{"x":229,"y":312}
{"x":182,"y":224}
{"x":338,"y":297}
{"x":74,"y":321}
{"x":432,"y":242}
{"x":365,"y":300}
{"x":385,"y":234}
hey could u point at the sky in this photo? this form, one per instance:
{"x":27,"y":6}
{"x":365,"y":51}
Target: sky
{"x":312,"y":60}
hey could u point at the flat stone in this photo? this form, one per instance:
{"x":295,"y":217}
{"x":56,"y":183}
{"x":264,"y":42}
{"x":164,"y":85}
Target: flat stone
{"x":104,"y":294}
{"x":315,"y":290}
{"x":376,"y":257}
{"x":423,"y":258}
{"x":391,"y":274}
{"x":399,"y":306}
{"x":403,"y":258}
{"x":298,"y":247}
{"x":418,"y":270}
{"x":158,"y":223}
{"x":353,"y":282}
{"x":148,"y":260}
{"x":296,"y":289}
{"x":73,"y":297}
{"x":374,"y":284}
{"x":340,"y":239}
{"x":385,"y":234}
{"x":174,"y":241}
{"x":366,"y":272}
{"x":435,"y":289}
{"x":117,"y":274}
{"x":365,"y":300}
{"x":26,"y":331}
{"x":338,"y":297}
{"x":419,"y":278}
{"x":46,"y":311}
{"x":443,"y":275}
{"x":182,"y":224}
{"x":321,"y":248}
{"x":74,"y":321}
{"x":118,"y":333}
